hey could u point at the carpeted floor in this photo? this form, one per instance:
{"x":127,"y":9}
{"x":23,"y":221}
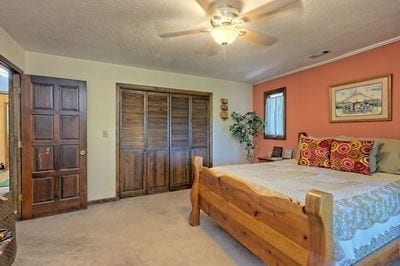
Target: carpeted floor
{"x":150,"y":230}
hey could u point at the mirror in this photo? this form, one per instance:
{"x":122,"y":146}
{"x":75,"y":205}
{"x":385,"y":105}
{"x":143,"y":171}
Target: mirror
{"x":4,"y":130}
{"x":275,"y":114}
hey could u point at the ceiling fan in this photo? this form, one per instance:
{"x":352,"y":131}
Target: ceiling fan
{"x":227,"y":23}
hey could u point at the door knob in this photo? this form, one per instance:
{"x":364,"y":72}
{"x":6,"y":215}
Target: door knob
{"x":82,"y":152}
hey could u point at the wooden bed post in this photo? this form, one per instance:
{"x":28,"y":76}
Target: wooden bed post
{"x":194,"y":219}
{"x":319,"y":208}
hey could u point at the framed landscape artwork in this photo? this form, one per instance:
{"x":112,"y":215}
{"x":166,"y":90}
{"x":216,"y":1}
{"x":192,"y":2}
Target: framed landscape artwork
{"x":365,"y":100}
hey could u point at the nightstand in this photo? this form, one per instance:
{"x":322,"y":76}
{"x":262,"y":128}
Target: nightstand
{"x":266,"y":159}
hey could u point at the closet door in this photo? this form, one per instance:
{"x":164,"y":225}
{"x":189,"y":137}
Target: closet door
{"x":157,"y":149}
{"x":132,"y":143}
{"x":180,"y":162}
{"x":200,"y":128}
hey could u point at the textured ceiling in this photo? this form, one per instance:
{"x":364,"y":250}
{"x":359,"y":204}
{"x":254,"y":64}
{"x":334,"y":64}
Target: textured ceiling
{"x":126,"y":32}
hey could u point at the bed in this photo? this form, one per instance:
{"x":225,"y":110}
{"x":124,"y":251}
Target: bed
{"x":287,"y":224}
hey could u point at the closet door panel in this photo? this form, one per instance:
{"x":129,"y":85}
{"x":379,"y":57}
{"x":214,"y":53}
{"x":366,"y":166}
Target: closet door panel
{"x":157,"y":120}
{"x":131,"y":173}
{"x":132,"y":143}
{"x":201,"y":127}
{"x":180,"y":160}
{"x":157,"y":142}
{"x":132,"y":112}
{"x":180,"y":169}
{"x":157,"y":171}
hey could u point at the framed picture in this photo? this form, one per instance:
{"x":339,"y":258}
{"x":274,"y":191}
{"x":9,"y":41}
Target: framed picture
{"x":276,"y":151}
{"x":365,"y":100}
{"x":287,"y":153}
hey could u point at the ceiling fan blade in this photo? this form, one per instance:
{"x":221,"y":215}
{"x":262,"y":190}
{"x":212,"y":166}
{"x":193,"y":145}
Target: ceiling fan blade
{"x":258,"y":38}
{"x":204,"y":5}
{"x":237,"y":4}
{"x":269,"y":9}
{"x":182,"y":33}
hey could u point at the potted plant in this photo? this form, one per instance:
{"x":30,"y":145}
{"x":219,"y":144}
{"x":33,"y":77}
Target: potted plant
{"x":245,"y":128}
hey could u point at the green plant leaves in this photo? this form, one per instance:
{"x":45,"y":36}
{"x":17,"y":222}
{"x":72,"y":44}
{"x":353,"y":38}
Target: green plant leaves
{"x":244,"y":128}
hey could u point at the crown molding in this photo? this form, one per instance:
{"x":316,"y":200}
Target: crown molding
{"x":367,"y":48}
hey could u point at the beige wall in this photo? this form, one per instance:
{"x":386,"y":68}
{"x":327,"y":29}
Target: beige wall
{"x":11,"y":50}
{"x":101,"y":79}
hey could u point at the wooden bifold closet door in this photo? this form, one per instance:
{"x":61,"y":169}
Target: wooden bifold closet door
{"x":159,"y":132}
{"x":190,"y":136}
{"x":180,"y":141}
{"x":143,"y":142}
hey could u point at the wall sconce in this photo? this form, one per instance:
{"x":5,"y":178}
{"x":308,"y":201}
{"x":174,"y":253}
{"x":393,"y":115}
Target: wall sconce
{"x":224,"y":109}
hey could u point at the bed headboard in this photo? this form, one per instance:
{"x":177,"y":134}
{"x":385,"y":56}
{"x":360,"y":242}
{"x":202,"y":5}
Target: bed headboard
{"x":300,"y":134}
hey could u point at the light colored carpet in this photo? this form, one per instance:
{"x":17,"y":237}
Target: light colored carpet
{"x":149,"y":230}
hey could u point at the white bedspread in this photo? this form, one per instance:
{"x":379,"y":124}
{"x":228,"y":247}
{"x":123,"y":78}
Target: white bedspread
{"x":366,"y":208}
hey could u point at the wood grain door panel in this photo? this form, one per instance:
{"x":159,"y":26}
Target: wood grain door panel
{"x":131,"y":173}
{"x":180,"y":161}
{"x":54,"y":133}
{"x":157,"y":142}
{"x":201,"y":128}
{"x":132,"y":134}
{"x":180,"y":173}
{"x":180,"y":121}
{"x":132,"y":143}
{"x":157,"y":171}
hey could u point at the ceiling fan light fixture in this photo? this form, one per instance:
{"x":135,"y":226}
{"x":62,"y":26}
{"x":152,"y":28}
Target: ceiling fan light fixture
{"x":224,"y":35}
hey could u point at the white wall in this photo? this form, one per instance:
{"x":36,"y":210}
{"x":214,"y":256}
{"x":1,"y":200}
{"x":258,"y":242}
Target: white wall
{"x":11,"y":50}
{"x":101,"y":81}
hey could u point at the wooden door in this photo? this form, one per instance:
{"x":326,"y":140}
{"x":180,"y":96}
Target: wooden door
{"x":180,"y":162}
{"x":131,"y":143}
{"x":157,"y":142}
{"x":54,"y":146}
{"x":200,"y":128}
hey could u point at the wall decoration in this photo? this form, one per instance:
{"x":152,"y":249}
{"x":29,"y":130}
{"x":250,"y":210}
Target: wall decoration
{"x":365,"y":100}
{"x":224,"y":109}
{"x":287,"y":153}
{"x":276,"y":151}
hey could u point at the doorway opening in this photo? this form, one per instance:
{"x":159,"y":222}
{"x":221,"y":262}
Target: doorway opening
{"x":5,"y":81}
{"x":10,"y":133}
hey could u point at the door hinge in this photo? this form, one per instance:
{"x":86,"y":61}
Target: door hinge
{"x":19,"y":144}
{"x":20,"y":197}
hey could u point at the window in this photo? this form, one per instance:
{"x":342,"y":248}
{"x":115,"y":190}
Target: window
{"x":275,"y":114}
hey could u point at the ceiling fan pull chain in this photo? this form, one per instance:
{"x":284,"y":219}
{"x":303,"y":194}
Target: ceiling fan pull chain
{"x":224,"y":49}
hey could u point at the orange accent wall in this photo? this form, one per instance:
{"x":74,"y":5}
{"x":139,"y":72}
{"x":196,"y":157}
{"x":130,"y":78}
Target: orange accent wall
{"x":307,"y":95}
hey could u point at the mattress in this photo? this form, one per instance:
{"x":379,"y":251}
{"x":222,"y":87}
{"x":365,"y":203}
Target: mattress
{"x":366,"y":209}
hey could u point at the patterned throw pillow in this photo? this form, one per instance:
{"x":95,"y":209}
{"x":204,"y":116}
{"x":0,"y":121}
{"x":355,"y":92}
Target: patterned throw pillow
{"x":315,"y":152}
{"x":351,"y":156}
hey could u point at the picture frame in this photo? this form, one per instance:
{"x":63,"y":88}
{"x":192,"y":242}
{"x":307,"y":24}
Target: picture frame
{"x":363,"y":100}
{"x":276,"y":151}
{"x":287,"y":153}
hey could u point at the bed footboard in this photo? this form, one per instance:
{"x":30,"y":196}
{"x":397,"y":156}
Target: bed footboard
{"x":277,"y":229}
{"x":194,"y":218}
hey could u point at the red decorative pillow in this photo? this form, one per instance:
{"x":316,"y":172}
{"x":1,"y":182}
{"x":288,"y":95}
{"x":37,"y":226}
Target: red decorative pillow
{"x":315,"y":152}
{"x":351,"y":156}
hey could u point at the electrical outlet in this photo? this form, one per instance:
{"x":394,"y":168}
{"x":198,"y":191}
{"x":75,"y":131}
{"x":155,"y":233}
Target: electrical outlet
{"x":105,"y":134}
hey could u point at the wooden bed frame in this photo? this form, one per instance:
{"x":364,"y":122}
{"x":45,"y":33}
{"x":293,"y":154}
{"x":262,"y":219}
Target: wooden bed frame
{"x":279,"y":230}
